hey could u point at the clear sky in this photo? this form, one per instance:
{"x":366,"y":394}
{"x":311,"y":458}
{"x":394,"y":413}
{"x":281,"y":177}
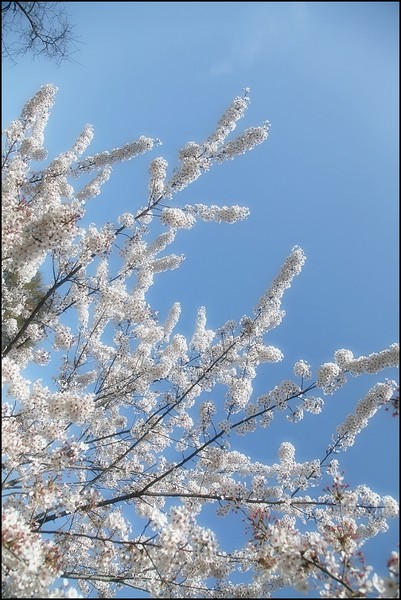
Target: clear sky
{"x":325,"y":74}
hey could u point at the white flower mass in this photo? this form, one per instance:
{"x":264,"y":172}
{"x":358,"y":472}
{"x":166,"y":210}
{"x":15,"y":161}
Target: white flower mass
{"x":114,"y":458}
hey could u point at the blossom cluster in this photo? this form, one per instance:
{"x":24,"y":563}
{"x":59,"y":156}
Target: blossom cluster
{"x":218,"y":214}
{"x":268,"y":310}
{"x":197,"y":158}
{"x":374,"y":363}
{"x":365,"y":409}
{"x":29,"y":566}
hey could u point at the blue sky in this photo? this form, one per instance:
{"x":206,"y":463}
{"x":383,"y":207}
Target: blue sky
{"x":326,"y":76}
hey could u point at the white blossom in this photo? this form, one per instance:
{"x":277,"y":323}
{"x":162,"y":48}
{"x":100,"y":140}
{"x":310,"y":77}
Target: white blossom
{"x":172,"y":319}
{"x":366,"y":408}
{"x":302,"y":369}
{"x":177,"y":218}
{"x":330,"y":377}
{"x":202,"y":337}
{"x":218,"y":214}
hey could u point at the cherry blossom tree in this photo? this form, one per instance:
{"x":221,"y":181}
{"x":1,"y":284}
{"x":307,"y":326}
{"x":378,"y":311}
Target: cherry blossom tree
{"x":116,"y":451}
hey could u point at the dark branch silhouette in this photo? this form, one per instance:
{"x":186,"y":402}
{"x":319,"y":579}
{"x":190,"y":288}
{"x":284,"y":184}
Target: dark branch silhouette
{"x":39,"y":28}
